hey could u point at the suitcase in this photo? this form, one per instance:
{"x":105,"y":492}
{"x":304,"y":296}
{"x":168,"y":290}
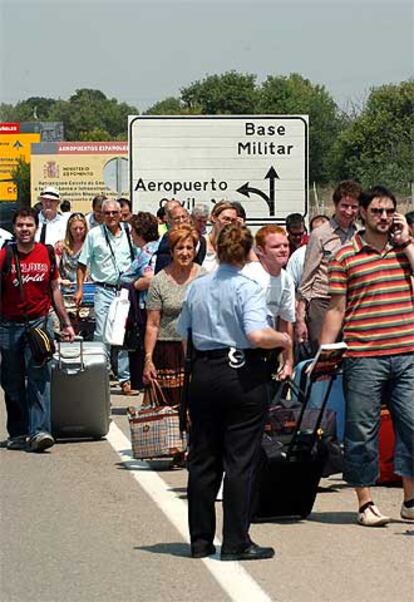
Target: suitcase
{"x":80,"y":394}
{"x":291,"y":466}
{"x":386,"y":450}
{"x":336,"y":399}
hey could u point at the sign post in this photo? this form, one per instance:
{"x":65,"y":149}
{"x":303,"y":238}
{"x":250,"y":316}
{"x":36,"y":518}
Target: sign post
{"x":260,"y":161}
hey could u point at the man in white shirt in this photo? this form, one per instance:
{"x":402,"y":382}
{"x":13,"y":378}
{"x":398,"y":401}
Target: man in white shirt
{"x":52,"y":225}
{"x":272,"y":249}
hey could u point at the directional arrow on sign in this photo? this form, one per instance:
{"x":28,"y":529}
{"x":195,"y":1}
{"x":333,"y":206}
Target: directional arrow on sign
{"x":17,"y":144}
{"x":270,"y":199}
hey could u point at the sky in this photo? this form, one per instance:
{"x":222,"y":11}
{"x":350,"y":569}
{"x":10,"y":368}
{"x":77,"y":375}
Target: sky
{"x":142,"y":52}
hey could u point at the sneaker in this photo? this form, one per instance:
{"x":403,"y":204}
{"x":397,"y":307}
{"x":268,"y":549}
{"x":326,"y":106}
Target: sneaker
{"x":17,"y":443}
{"x":40,"y":442}
{"x":407,"y":513}
{"x":372,"y":517}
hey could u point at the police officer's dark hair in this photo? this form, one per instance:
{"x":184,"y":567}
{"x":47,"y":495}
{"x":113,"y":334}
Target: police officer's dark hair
{"x":374,"y":193}
{"x":26,"y":213}
{"x":145,"y":225}
{"x":234,"y":244}
{"x":294,"y":220}
{"x":347,"y":188}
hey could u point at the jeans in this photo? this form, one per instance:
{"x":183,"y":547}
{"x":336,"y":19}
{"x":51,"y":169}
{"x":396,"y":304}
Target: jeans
{"x":102,"y":300}
{"x":368,"y":382}
{"x":26,"y":387}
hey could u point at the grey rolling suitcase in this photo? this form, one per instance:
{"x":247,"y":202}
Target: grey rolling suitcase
{"x":80,"y":394}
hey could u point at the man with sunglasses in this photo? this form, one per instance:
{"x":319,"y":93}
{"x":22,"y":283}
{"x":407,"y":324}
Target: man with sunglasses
{"x":106,"y":253}
{"x":372,"y":299}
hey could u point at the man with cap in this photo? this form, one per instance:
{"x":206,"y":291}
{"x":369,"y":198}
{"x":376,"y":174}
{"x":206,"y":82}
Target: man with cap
{"x":52,"y":224}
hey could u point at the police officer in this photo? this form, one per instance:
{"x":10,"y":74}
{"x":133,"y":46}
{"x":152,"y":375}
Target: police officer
{"x":228,"y":396}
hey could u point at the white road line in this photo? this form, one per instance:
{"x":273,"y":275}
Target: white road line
{"x":232,"y":577}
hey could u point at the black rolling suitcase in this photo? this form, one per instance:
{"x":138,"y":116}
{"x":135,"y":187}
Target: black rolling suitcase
{"x":292,"y":462}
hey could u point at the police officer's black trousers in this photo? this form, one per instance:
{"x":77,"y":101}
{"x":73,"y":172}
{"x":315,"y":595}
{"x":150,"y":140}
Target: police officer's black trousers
{"x":227,"y":411}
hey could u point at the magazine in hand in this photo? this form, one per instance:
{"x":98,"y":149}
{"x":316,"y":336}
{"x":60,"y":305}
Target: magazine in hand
{"x":328,"y":359}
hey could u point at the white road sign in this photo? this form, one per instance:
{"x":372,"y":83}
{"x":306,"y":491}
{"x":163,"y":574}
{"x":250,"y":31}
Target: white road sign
{"x":260,"y":161}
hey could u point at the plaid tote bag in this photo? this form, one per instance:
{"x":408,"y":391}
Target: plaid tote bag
{"x":155,"y":427}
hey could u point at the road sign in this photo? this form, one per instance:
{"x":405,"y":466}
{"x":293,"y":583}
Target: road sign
{"x":260,"y":161}
{"x":13,"y":146}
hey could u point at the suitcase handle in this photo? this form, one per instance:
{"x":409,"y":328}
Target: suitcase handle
{"x":77,"y":339}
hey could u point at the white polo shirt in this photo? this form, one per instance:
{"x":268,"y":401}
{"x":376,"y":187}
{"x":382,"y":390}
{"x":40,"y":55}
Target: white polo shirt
{"x":279,"y":291}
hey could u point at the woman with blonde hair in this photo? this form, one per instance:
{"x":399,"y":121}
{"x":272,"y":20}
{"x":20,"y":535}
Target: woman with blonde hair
{"x":67,"y":253}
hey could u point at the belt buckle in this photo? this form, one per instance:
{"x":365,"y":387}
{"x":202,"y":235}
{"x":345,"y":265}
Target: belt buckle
{"x":237,"y":358}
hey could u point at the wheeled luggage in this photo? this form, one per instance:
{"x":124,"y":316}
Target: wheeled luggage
{"x":292,"y":464}
{"x":80,"y":394}
{"x":336,"y":399}
{"x":386,"y":450}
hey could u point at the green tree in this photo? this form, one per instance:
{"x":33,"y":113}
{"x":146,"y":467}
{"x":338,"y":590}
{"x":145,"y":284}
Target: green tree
{"x":295,"y":95}
{"x":377,"y":146}
{"x":21,"y":177}
{"x":228,"y":94}
{"x":169,"y":106}
{"x":90,"y":110}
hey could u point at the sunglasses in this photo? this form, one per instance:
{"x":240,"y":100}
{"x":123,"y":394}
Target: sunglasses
{"x":76,"y":216}
{"x":380,"y":210}
{"x":111,"y":212}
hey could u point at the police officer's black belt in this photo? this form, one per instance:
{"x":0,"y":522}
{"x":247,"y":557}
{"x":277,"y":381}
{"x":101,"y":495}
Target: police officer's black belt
{"x":224,"y":352}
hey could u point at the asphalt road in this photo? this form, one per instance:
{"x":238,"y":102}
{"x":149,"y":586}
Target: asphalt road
{"x":83,"y":523}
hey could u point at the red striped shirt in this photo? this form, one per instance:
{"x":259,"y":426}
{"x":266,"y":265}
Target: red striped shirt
{"x":379,"y":314}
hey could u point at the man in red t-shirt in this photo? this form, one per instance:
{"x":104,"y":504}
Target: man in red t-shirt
{"x":27,"y":386}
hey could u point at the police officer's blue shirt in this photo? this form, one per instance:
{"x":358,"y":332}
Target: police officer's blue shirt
{"x":222,"y":308}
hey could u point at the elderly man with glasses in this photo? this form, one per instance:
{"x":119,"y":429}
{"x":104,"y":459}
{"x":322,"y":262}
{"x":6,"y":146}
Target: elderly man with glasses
{"x":107,"y":253}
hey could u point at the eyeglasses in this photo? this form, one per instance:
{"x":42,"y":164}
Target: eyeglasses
{"x":111,"y":212}
{"x":380,"y":210}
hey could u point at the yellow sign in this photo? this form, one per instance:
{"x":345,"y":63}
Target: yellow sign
{"x":12,"y":147}
{"x":80,"y":171}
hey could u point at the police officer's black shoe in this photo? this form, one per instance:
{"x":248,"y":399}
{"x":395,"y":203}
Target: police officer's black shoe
{"x":252,"y":552}
{"x":202,"y":551}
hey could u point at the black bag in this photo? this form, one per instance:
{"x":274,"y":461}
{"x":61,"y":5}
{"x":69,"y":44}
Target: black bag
{"x":135,"y":325}
{"x":41,"y":345}
{"x":293,"y":457}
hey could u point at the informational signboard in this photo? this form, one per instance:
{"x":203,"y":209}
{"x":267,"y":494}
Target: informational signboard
{"x":260,"y":161}
{"x":80,"y":170}
{"x":13,"y":146}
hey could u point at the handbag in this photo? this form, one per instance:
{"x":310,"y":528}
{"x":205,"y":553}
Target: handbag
{"x":155,"y":428}
{"x":41,"y":344}
{"x":116,"y":320}
{"x":135,"y":325}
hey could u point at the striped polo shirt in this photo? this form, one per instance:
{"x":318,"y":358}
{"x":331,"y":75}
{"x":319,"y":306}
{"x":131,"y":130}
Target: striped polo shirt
{"x":379,"y":315}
